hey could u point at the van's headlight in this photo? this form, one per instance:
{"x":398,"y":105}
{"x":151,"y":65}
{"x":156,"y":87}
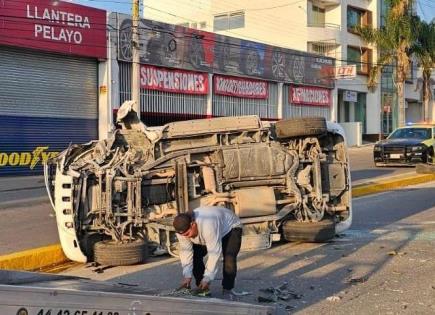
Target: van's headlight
{"x":418,"y":148}
{"x":377,"y":148}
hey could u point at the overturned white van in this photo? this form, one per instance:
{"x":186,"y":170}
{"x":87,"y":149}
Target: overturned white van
{"x":115,"y":199}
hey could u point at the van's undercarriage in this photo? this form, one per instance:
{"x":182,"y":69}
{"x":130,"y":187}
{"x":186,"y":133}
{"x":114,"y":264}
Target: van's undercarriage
{"x":119,"y":194}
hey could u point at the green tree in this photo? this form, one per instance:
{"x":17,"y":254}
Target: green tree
{"x":393,"y":41}
{"x":424,"y":51}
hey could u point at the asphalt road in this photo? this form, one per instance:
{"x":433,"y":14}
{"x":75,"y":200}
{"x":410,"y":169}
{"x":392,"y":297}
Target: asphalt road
{"x":383,"y":265}
{"x":28,"y":220}
{"x":362,"y":167}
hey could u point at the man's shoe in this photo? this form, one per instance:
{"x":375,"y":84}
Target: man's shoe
{"x":228,"y":295}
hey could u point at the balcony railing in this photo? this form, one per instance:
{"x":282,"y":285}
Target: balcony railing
{"x":324,"y":25}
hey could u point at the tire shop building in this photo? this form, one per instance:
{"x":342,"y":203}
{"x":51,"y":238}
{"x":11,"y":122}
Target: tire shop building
{"x":187,"y":74}
{"x":49,"y":59}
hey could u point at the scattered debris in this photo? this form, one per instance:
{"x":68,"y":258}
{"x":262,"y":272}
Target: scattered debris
{"x":266,"y":299}
{"x":349,"y":269}
{"x":240,"y":293}
{"x":201,"y":292}
{"x":180,"y":292}
{"x":358,"y":280}
{"x":333,"y":298}
{"x":277,"y":293}
{"x":312,"y":287}
{"x":395,"y":252}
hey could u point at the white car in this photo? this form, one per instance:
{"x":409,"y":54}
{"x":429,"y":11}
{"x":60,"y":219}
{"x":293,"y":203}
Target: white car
{"x":115,"y":199}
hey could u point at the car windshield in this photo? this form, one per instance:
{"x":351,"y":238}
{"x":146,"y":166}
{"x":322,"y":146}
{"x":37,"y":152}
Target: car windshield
{"x":412,"y":133}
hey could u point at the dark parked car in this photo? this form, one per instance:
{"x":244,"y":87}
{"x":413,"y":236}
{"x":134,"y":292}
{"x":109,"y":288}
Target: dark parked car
{"x":407,"y":146}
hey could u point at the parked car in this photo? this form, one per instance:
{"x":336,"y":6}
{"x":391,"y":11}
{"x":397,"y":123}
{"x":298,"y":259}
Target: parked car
{"x":406,"y":146}
{"x":116,"y":198}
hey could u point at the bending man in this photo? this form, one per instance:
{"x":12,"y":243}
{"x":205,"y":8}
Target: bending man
{"x":212,"y":231}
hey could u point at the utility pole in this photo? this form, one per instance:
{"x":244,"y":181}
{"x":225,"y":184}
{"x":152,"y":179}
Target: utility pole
{"x":135,"y":71}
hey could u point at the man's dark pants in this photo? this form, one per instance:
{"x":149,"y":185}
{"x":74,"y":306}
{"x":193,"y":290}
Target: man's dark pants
{"x":230,"y":249}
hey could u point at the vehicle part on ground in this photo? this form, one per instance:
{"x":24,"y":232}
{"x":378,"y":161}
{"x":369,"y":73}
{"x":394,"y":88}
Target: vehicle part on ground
{"x":321,"y":231}
{"x":131,"y":185}
{"x":114,"y":253}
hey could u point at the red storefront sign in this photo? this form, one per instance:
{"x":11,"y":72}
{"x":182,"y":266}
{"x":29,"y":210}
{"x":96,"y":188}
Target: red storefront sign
{"x":305,"y":95}
{"x":172,"y":80}
{"x":240,"y":87}
{"x":53,"y":26}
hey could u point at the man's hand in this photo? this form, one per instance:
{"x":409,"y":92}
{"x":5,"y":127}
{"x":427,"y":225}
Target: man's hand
{"x":186,"y":283}
{"x":204,"y":285}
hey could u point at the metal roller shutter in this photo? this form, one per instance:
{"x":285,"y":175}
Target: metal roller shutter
{"x":292,"y":110}
{"x":160,"y":107}
{"x":47,"y":101}
{"x":236,"y":106}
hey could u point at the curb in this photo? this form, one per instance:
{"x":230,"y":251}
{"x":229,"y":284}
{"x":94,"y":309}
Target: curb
{"x":390,"y":184}
{"x":34,"y":259}
{"x":49,"y":258}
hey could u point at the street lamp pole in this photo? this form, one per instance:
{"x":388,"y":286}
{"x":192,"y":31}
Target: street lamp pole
{"x":135,"y":73}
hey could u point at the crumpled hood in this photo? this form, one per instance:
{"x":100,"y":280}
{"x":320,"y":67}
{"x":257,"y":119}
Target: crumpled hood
{"x":129,"y":119}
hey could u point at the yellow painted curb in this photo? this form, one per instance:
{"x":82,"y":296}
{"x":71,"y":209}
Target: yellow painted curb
{"x":34,"y":259}
{"x":389,"y":184}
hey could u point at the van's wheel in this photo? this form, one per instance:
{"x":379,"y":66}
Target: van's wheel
{"x":113,"y":253}
{"x":294,"y":231}
{"x":299,"y":127}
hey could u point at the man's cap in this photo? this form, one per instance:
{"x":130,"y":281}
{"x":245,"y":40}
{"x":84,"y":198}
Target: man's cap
{"x":182,"y":222}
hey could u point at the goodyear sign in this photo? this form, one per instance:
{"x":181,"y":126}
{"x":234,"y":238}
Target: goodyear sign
{"x":27,"y":159}
{"x":31,"y":141}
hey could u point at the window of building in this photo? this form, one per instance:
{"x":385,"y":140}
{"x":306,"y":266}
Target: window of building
{"x":229,"y":21}
{"x":186,"y":24}
{"x":358,"y":17}
{"x":361,"y":57}
{"x":203,"y":25}
{"x":317,"y":18}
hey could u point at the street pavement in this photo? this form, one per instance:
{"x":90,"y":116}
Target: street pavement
{"x":362,"y":167}
{"x":382,"y":265}
{"x":28,"y":220}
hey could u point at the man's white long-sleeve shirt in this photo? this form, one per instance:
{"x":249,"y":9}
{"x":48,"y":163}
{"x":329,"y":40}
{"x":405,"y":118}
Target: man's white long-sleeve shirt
{"x":213,"y":224}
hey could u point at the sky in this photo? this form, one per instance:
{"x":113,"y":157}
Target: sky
{"x":425,"y":8}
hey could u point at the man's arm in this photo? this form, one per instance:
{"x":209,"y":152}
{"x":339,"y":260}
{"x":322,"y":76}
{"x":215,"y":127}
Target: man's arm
{"x":214,"y":250}
{"x":186,"y":255}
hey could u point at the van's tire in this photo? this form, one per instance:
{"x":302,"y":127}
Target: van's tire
{"x":299,"y":127}
{"x":316,"y":232}
{"x":112,"y":253}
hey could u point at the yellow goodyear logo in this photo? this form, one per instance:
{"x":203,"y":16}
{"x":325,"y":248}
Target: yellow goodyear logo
{"x":30,"y":159}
